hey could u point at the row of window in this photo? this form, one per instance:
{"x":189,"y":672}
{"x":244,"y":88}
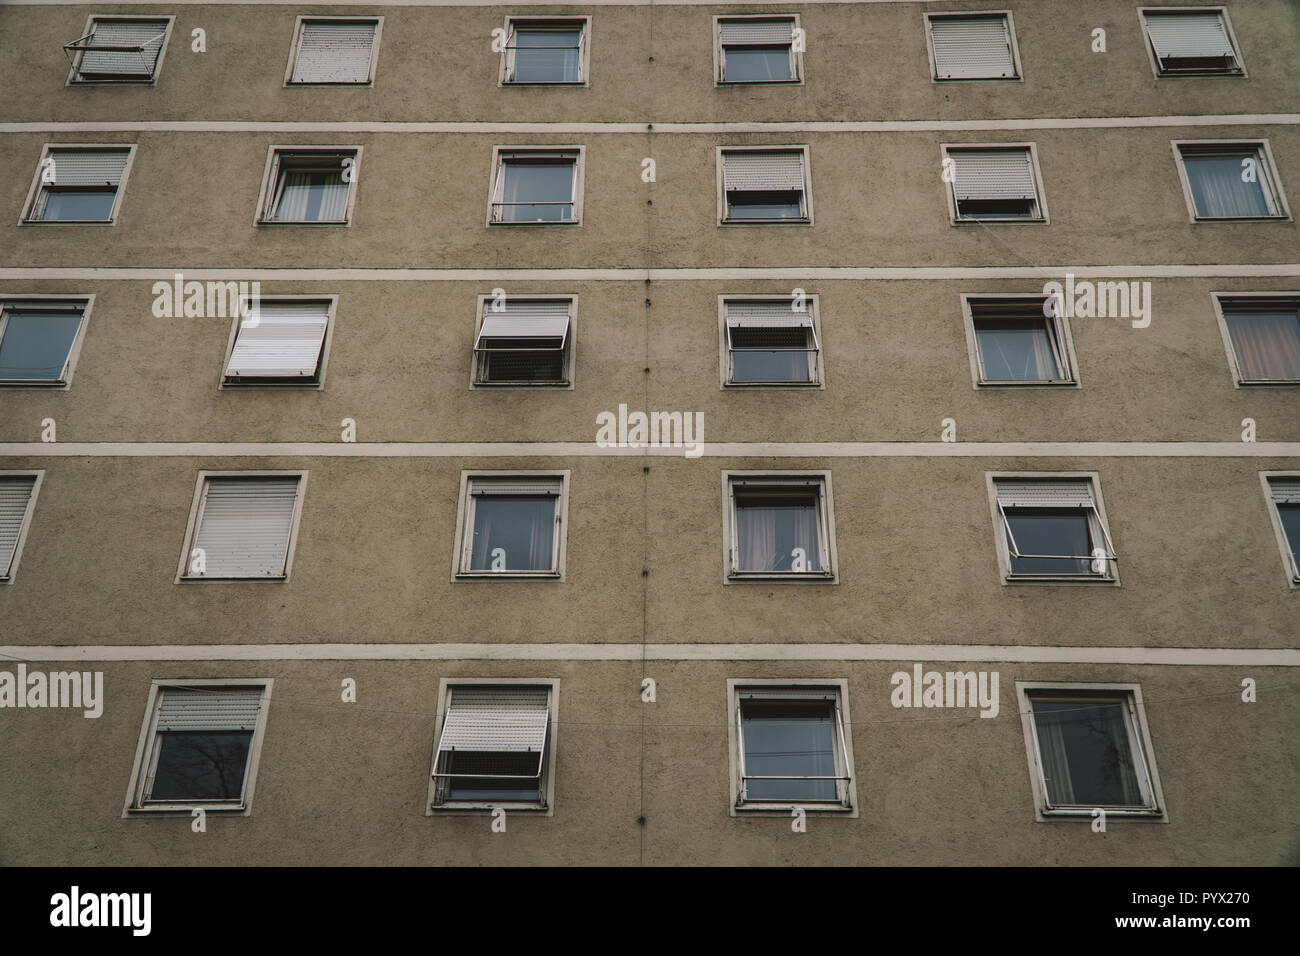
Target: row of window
{"x":1014,"y":340}
{"x":756,"y":185}
{"x":556,"y":51}
{"x":495,"y":745}
{"x":777,"y":526}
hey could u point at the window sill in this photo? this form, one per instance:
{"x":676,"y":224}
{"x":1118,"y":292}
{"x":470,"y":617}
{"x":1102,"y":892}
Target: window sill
{"x":189,"y":808}
{"x":553,"y":222}
{"x":555,"y":384}
{"x":509,"y":575}
{"x":505,"y":83}
{"x":783,"y":809}
{"x":304,"y":222}
{"x":141,"y":81}
{"x":343,"y":83}
{"x":999,"y":222}
{"x":275,"y":578}
{"x":772,"y":384}
{"x":1273,"y":217}
{"x":38,"y":383}
{"x":721,"y":83}
{"x":1062,"y":383}
{"x":69,"y":222}
{"x":813,"y":576}
{"x":765,"y":222}
{"x":1077,"y":579}
{"x":1112,"y":813}
{"x":1255,"y":383}
{"x":469,"y":807}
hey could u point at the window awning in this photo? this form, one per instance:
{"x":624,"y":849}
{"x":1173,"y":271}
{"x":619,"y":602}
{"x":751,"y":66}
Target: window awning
{"x":762,"y":172}
{"x":1044,"y":494}
{"x":524,"y":319}
{"x":122,"y":49}
{"x":87,"y":167}
{"x":279,"y":340}
{"x":984,"y":174}
{"x":209,"y":708}
{"x":756,"y":32}
{"x":1189,"y":35}
{"x":516,"y":486}
{"x":496,"y":720}
{"x":766,"y":315}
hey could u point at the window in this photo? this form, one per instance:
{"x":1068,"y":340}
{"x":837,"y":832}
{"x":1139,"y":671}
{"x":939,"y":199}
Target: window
{"x":779,"y":526}
{"x":524,"y":342}
{"x":536,"y":186}
{"x":1262,"y":333}
{"x":278,"y":342}
{"x":1284,"y":492}
{"x":512,"y":525}
{"x":75,"y":184}
{"x":994,"y":184}
{"x":1191,"y":41}
{"x":310,"y":185}
{"x":39,"y":339}
{"x":495,"y":746}
{"x":766,"y":185}
{"x":768,"y":342}
{"x":199,"y":746}
{"x":1019,"y":340}
{"x":1052,"y":529}
{"x":119,"y":50}
{"x":757,"y":50}
{"x":17,"y":502}
{"x":1230,"y":180}
{"x":980,"y":47}
{"x":789,"y":746}
{"x":1089,"y":748}
{"x":334,"y":50}
{"x":243,"y":525}
{"x":545,"y":52}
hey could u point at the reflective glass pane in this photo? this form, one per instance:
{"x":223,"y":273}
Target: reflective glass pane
{"x":201,"y":765}
{"x":789,"y":739}
{"x":35,"y":345}
{"x":513,"y":534}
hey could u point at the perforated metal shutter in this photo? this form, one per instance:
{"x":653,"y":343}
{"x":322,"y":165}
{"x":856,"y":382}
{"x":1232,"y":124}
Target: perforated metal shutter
{"x":983,"y":174}
{"x":525,"y":319}
{"x":15,"y":495}
{"x":1044,"y":494}
{"x":516,"y":486}
{"x":209,"y":708}
{"x":1189,"y":35}
{"x":971,"y":48}
{"x":279,"y":340}
{"x":244,"y":530}
{"x":86,"y":167}
{"x":766,"y":315}
{"x":496,"y":719}
{"x":1285,"y":491}
{"x":121,"y":63}
{"x":759,"y":32}
{"x":761,"y":172}
{"x":330,"y":52}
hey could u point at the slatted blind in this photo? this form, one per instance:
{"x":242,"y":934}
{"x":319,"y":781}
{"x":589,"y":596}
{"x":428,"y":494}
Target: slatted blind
{"x":245,"y":524}
{"x":1044,"y":494}
{"x":209,"y":708}
{"x":766,"y":315}
{"x":334,"y":52}
{"x":526,"y":319}
{"x":787,"y":693}
{"x":1189,"y":35}
{"x":279,"y":340}
{"x":1285,"y":491}
{"x":15,"y":495}
{"x":983,"y":174}
{"x":516,"y":486}
{"x":88,"y":167}
{"x":496,"y":719}
{"x":146,"y":34}
{"x":971,"y":48}
{"x":762,"y":172}
{"x":756,"y":32}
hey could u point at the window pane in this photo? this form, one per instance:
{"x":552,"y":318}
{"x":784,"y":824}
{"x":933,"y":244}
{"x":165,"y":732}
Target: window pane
{"x":763,"y":205}
{"x":1050,"y":531}
{"x":312,"y":195}
{"x":1016,"y":351}
{"x":1218,"y":188}
{"x":517,"y":534}
{"x":1084,"y":746}
{"x":756,"y":64}
{"x":1267,"y":344}
{"x":997,"y":209}
{"x":533,"y":190}
{"x":546,"y":55}
{"x":35,"y":346}
{"x":770,"y":528}
{"x":789,"y":739}
{"x":1290,"y":516}
{"x":523,"y":360}
{"x":770,"y":355}
{"x":201,"y":765}
{"x":61,"y":204}
{"x":493,"y":766}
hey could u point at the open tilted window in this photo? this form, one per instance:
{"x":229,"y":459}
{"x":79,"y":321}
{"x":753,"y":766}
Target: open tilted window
{"x":1052,"y":529}
{"x":1284,"y":494}
{"x":278,"y":343}
{"x":978,"y":47}
{"x":1019,"y":341}
{"x":994,"y":184}
{"x":119,"y":50}
{"x":38,"y":340}
{"x":76,"y":184}
{"x":768,"y":342}
{"x":17,"y":501}
{"x":243,"y":527}
{"x":765,"y":186}
{"x":1192,"y":41}
{"x":524,"y":341}
{"x":758,"y":50}
{"x":512,"y":526}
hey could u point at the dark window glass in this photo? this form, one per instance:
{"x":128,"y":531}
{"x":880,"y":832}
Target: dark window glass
{"x":779,"y":204}
{"x":201,"y":765}
{"x":1050,"y":531}
{"x":77,"y":204}
{"x":1085,"y":752}
{"x":537,"y":191}
{"x":1290,"y":515}
{"x":490,"y":775}
{"x":770,"y":355}
{"x":1220,"y":188}
{"x":757,"y":64}
{"x":546,"y":55}
{"x":522,"y":360}
{"x":515,"y":533}
{"x":789,"y":739}
{"x":1017,"y":350}
{"x":1266,"y":344}
{"x":771,"y":527}
{"x":35,"y":345}
{"x":997,"y":209}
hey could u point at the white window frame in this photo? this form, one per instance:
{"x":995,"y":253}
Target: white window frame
{"x":724,"y":351}
{"x":236,"y":322}
{"x":465,"y":807}
{"x":584,"y":51}
{"x":7,"y":575}
{"x":1269,"y":182}
{"x":1234,"y":367}
{"x":1098,"y":531}
{"x":297,"y":42}
{"x":844,"y":763}
{"x":34,"y":191}
{"x":146,"y":750}
{"x":75,"y":72}
{"x":1059,"y":323}
{"x":64,"y":381}
{"x":570,"y":346}
{"x":720,"y":57}
{"x":826,"y":530}
{"x":271,"y":183}
{"x":1289,"y":565}
{"x":1227,"y":26}
{"x":1139,"y":735}
{"x":949,"y":189}
{"x":195,"y":521}
{"x":929,"y":18}
{"x":496,"y":181}
{"x":465,"y":528}
{"x":805,"y":199}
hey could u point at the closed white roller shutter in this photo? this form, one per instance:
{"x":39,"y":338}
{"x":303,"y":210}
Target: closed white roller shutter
{"x":526,"y":319}
{"x":244,"y":527}
{"x":762,"y":172}
{"x":1176,"y":36}
{"x":766,"y":315}
{"x":279,"y":340}
{"x":983,"y":174}
{"x":756,"y":32}
{"x":1285,"y":491}
{"x":209,"y":708}
{"x":516,"y":486}
{"x":496,"y":720}
{"x":15,"y":496}
{"x":1044,"y":494}
{"x":333,"y":52}
{"x":86,"y":167}
{"x":972,"y":48}
{"x":118,"y":63}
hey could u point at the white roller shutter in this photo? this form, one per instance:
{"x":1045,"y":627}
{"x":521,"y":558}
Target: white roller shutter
{"x":756,"y":32}
{"x":244,"y":526}
{"x":279,"y":340}
{"x":516,"y":486}
{"x":1044,"y":494}
{"x":123,"y":64}
{"x":1176,"y":36}
{"x":766,"y":315}
{"x":1285,"y":491}
{"x":334,"y":52}
{"x":971,"y":48}
{"x":526,"y":319}
{"x":88,"y":167}
{"x":496,"y":720}
{"x":983,"y":174}
{"x":15,"y":497}
{"x":762,"y":172}
{"x":788,"y":693}
{"x":209,"y":708}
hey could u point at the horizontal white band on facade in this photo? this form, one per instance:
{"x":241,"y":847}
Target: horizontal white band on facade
{"x":991,"y":653}
{"x":589,"y":449}
{"x":809,"y":126}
